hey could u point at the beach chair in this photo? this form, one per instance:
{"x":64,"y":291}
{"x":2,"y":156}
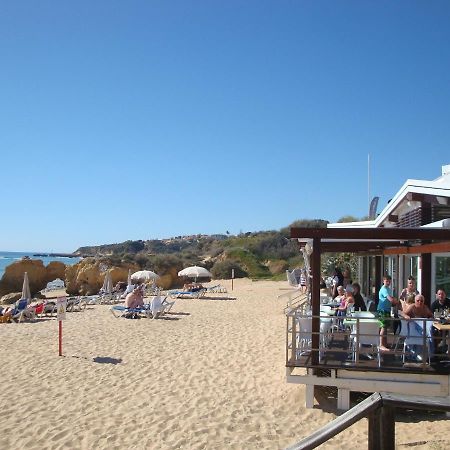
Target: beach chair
{"x":22,"y":311}
{"x":414,"y":341}
{"x":365,"y":333}
{"x":76,"y":304}
{"x":123,"y":311}
{"x":159,"y":306}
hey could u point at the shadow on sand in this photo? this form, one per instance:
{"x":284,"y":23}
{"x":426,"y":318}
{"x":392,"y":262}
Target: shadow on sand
{"x":106,"y":360}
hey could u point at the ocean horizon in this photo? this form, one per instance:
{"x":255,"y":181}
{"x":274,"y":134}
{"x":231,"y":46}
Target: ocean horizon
{"x":7,"y":258}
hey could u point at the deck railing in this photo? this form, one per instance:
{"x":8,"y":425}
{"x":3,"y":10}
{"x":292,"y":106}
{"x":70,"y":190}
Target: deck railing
{"x":353,"y":342}
{"x":379,"y":408}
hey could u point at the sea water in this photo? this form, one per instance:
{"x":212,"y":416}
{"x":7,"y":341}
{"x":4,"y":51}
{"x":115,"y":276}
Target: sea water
{"x":7,"y":258}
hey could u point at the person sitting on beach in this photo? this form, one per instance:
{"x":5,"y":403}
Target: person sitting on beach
{"x":135,"y":299}
{"x":192,"y":287}
{"x":418,"y":309}
{"x":120,"y":287}
{"x":360,"y":305}
{"x":6,"y":314}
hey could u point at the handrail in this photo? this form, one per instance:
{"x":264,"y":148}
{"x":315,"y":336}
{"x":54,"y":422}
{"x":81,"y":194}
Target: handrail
{"x":380,"y":408}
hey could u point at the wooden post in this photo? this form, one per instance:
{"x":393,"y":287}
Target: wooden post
{"x":315,"y":300}
{"x":425,"y":278}
{"x":374,"y":430}
{"x":60,"y":337}
{"x":387,"y":435}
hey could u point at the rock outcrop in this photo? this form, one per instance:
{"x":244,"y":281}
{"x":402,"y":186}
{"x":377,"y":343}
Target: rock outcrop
{"x":87,"y":276}
{"x":9,"y":299}
{"x":84,"y":278}
{"x":12,"y":279}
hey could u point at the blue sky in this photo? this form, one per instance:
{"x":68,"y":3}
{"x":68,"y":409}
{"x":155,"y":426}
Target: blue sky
{"x":150,"y":119}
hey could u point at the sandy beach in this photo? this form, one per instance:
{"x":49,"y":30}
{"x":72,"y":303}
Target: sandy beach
{"x":210,"y":375}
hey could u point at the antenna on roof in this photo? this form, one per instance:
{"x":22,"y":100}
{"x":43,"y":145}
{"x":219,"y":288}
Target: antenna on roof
{"x":368,"y":181}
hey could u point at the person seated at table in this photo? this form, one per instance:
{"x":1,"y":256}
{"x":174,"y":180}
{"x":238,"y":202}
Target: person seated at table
{"x":441,"y":303}
{"x":347,"y":300}
{"x":409,"y":293}
{"x":135,"y":299}
{"x":418,"y":309}
{"x":360,"y":305}
{"x":437,"y":308}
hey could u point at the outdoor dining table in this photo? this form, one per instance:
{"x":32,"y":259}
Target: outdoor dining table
{"x":351,"y":320}
{"x":445,"y":327}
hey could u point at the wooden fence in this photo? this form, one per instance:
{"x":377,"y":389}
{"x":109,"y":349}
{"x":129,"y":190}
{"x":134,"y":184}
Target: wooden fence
{"x":379,"y":408}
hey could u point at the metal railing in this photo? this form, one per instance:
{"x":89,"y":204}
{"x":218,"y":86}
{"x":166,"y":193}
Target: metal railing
{"x":352,"y":341}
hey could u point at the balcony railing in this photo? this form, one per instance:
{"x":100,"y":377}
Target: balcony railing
{"x":352,"y":342}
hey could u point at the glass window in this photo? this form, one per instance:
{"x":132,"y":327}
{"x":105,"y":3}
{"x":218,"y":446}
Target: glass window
{"x":443,"y":273}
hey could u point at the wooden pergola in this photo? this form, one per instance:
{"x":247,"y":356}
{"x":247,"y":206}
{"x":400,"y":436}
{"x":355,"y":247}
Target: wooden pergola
{"x":369,"y":241}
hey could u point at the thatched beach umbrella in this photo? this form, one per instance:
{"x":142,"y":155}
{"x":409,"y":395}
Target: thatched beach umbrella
{"x":26,"y":287}
{"x":107,"y":283}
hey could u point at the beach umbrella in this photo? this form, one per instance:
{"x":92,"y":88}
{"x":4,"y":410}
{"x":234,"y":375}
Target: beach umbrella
{"x":144,"y":275}
{"x":107,"y":283}
{"x":195,"y":272}
{"x":26,"y":287}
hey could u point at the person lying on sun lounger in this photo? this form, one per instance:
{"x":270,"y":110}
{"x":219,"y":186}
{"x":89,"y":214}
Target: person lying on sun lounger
{"x":192,"y":287}
{"x":136,"y":298}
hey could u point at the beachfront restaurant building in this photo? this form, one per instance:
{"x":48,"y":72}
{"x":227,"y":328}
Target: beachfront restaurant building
{"x":411,"y":236}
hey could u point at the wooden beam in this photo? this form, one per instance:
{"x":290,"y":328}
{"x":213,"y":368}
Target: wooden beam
{"x":416,"y":402}
{"x":356,"y":247}
{"x":414,"y":197}
{"x":437,"y":247}
{"x":339,"y":424}
{"x":400,"y":234}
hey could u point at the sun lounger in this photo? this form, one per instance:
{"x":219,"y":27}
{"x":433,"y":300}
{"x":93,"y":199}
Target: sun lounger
{"x":187,"y":294}
{"x":218,"y":289}
{"x":76,"y":304}
{"x":124,"y":311}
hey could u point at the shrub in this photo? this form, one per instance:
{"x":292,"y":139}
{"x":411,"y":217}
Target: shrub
{"x":222,"y":270}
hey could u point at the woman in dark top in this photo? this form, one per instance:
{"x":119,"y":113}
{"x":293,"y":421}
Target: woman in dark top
{"x":338,"y":280}
{"x":359,"y":301}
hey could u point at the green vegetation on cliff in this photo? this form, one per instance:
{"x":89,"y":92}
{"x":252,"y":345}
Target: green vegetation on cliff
{"x":261,"y":254}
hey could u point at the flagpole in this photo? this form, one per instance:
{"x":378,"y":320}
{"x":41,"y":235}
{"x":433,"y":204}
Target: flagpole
{"x":368,"y":181}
